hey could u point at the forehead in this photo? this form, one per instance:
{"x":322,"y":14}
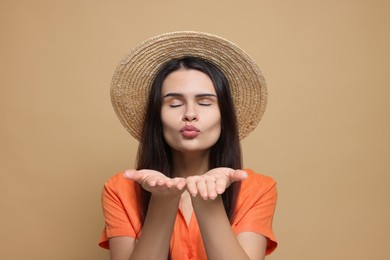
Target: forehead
{"x":188,"y":81}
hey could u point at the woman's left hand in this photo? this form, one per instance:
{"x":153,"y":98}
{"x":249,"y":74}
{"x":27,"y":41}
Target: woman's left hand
{"x":214,"y":182}
{"x":157,"y":183}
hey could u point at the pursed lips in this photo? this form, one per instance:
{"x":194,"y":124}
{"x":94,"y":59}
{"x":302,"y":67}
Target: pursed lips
{"x":189,"y":128}
{"x":189,"y":131}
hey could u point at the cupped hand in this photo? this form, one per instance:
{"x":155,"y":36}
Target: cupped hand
{"x":214,"y":182}
{"x":157,"y":183}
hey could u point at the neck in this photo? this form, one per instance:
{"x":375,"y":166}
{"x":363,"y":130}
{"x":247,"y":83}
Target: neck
{"x":190,"y":164}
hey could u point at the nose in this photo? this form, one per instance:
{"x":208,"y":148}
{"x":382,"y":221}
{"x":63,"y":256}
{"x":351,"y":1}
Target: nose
{"x":190,"y":114}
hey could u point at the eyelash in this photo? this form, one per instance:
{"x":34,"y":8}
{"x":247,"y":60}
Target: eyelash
{"x":175,"y":105}
{"x":201,"y":104}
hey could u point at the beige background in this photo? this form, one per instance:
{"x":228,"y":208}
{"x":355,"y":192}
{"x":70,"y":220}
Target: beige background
{"x":324,"y":137}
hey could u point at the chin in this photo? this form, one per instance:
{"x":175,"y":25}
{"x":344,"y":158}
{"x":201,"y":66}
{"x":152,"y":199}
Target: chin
{"x":192,"y":148}
{"x":197,"y":144}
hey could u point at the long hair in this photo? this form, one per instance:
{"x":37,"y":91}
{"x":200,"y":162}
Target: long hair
{"x":154,"y":152}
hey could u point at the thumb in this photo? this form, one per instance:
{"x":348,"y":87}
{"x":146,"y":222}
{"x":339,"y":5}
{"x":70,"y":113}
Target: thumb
{"x":238,"y":175}
{"x":132,"y":175}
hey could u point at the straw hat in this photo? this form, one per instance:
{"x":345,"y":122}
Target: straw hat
{"x":134,"y":75}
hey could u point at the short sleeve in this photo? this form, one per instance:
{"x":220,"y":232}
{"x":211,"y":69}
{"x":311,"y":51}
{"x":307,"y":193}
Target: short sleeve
{"x":119,"y":209}
{"x":255,"y":208}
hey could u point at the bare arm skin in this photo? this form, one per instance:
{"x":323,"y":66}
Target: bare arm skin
{"x":163,"y":208}
{"x":254,"y":244}
{"x":219,"y":240}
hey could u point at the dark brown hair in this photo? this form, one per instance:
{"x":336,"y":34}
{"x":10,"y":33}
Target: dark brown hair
{"x":153,"y":151}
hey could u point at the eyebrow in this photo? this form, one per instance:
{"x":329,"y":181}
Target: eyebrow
{"x":181,"y":95}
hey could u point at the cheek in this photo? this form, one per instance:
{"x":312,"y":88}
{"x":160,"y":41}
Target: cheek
{"x":168,"y":125}
{"x":168,"y":119}
{"x":214,"y":123}
{"x":218,"y":128}
{"x":214,"y":118}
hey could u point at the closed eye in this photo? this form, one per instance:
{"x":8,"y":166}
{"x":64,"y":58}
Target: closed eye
{"x":175,"y":102}
{"x":208,"y":101}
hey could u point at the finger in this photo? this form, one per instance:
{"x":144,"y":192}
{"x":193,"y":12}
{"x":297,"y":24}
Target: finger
{"x":221,"y":184}
{"x":161,"y":185}
{"x":191,"y":186}
{"x":211,"y":188}
{"x":165,"y":182}
{"x":237,"y":175}
{"x":202,"y":188}
{"x":169,"y":183}
{"x":132,"y":175}
{"x":150,"y":181}
{"x":150,"y":175}
{"x":160,"y":182}
{"x":179,"y":183}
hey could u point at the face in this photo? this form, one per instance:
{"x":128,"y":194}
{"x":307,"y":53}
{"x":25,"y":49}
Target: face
{"x":190,"y":114}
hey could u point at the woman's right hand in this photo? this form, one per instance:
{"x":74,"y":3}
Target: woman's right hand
{"x":157,"y":183}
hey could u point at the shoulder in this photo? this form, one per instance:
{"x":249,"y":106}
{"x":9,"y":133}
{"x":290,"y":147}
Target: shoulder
{"x":118,"y":184}
{"x":258,"y":182}
{"x":257,"y":196}
{"x":256,"y":188}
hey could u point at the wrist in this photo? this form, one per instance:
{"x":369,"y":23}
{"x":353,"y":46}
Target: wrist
{"x":198,"y":202}
{"x":166,"y":199}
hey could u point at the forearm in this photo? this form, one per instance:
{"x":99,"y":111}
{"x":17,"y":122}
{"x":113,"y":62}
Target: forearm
{"x":218,"y":238}
{"x":157,"y":229}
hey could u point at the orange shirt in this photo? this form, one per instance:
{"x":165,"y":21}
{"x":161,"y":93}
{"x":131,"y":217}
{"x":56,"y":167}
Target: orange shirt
{"x":254,"y":213}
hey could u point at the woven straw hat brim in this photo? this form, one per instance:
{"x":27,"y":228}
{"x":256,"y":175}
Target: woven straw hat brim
{"x":134,"y":75}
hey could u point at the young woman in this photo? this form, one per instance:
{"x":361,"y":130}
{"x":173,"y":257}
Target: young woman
{"x":180,"y":95}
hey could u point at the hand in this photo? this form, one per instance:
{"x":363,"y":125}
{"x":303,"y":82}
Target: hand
{"x":214,"y":182}
{"x":157,"y":183}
